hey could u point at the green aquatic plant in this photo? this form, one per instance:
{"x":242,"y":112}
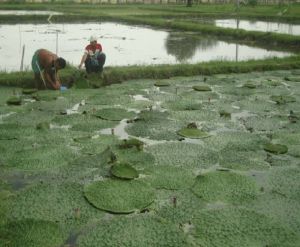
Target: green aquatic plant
{"x":122,"y":231}
{"x":14,"y":100}
{"x":124,"y":170}
{"x":43,"y":126}
{"x":161,"y":84}
{"x":240,"y":227}
{"x":227,"y":187}
{"x":202,"y":88}
{"x":55,"y":202}
{"x":114,"y":114}
{"x":249,"y":85}
{"x":193,"y":133}
{"x":282,"y":99}
{"x":132,"y":142}
{"x":119,"y":196}
{"x":169,"y":177}
{"x":29,"y":90}
{"x":32,"y":233}
{"x":275,"y":148}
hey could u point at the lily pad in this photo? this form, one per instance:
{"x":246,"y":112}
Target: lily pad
{"x":124,"y":170}
{"x":119,"y":196}
{"x":43,"y":126}
{"x":193,"y":133}
{"x":282,"y":99}
{"x":224,"y":114}
{"x":249,"y":85}
{"x":29,"y":90}
{"x":114,"y":114}
{"x":14,"y":100}
{"x":202,"y":88}
{"x":161,"y":84}
{"x":132,"y":142}
{"x":225,"y":187}
{"x":275,"y":148}
{"x":136,"y":231}
{"x":33,"y":233}
{"x":170,"y":177}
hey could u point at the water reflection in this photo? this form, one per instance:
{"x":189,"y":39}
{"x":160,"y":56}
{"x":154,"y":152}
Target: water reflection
{"x":263,"y":26}
{"x":184,"y":46}
{"x":123,"y":44}
{"x":28,"y":12}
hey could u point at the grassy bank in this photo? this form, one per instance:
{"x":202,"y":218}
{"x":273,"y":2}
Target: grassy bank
{"x":113,"y":75}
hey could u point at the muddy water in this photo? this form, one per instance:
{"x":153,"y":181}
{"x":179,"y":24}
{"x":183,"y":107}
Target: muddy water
{"x":124,"y":45}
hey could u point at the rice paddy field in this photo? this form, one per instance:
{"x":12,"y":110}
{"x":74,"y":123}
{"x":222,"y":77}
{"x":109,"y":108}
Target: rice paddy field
{"x":185,"y":161}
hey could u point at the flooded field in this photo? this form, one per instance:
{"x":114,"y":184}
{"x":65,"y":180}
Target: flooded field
{"x":123,"y":45}
{"x":181,"y":162}
{"x":263,"y":26}
{"x":28,"y":12}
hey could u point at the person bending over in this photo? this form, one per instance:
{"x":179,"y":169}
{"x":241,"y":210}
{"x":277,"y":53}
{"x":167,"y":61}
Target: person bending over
{"x":45,"y":66}
{"x":93,"y":57}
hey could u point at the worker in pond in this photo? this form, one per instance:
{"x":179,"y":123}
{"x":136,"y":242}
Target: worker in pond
{"x":45,"y":66}
{"x":93,"y":57}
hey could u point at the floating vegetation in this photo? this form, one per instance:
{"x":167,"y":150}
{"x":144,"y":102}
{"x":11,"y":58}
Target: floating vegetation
{"x":29,"y":90}
{"x":153,"y":231}
{"x":282,"y":99}
{"x":43,"y":126}
{"x":227,"y":187}
{"x":249,"y":85}
{"x":161,"y":84}
{"x":132,"y":142}
{"x":193,"y":133}
{"x":169,"y":177}
{"x":32,"y":233}
{"x":124,"y":170}
{"x":224,"y":114}
{"x":202,"y":88}
{"x":114,"y":114}
{"x":245,"y":228}
{"x":14,"y":100}
{"x":119,"y":196}
{"x":275,"y":148}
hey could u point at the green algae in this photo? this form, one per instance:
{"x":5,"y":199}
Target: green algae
{"x":240,"y":227}
{"x":169,"y":177}
{"x":275,"y":148}
{"x":226,"y":187}
{"x":119,"y":196}
{"x":32,"y":233}
{"x":153,"y":231}
{"x":114,"y":114}
{"x":124,"y":171}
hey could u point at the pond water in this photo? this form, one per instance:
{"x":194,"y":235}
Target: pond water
{"x":124,"y":45}
{"x":28,"y":12}
{"x":263,"y":26}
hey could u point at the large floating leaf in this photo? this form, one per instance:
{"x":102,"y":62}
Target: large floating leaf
{"x":119,"y":196}
{"x":275,"y":148}
{"x":114,"y":114}
{"x":136,"y":231}
{"x":225,"y":187}
{"x":203,"y":88}
{"x":193,"y":133}
{"x":124,"y":170}
{"x":169,"y":177}
{"x":32,"y":233}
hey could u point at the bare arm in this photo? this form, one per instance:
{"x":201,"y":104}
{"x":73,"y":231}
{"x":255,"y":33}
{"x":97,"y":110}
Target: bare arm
{"x":82,"y":60}
{"x":52,"y":79}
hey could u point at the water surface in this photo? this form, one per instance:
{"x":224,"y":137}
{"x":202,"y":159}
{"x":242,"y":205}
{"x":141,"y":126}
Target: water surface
{"x":28,"y":12}
{"x":124,"y":45}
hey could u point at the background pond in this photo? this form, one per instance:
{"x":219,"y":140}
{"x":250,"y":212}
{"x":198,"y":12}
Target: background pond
{"x":28,"y":12}
{"x":123,"y":45}
{"x":263,"y":26}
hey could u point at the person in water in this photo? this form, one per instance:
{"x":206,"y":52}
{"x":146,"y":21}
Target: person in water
{"x":45,"y":66}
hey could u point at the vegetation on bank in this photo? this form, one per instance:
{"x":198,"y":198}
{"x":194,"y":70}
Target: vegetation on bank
{"x":72,"y":76}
